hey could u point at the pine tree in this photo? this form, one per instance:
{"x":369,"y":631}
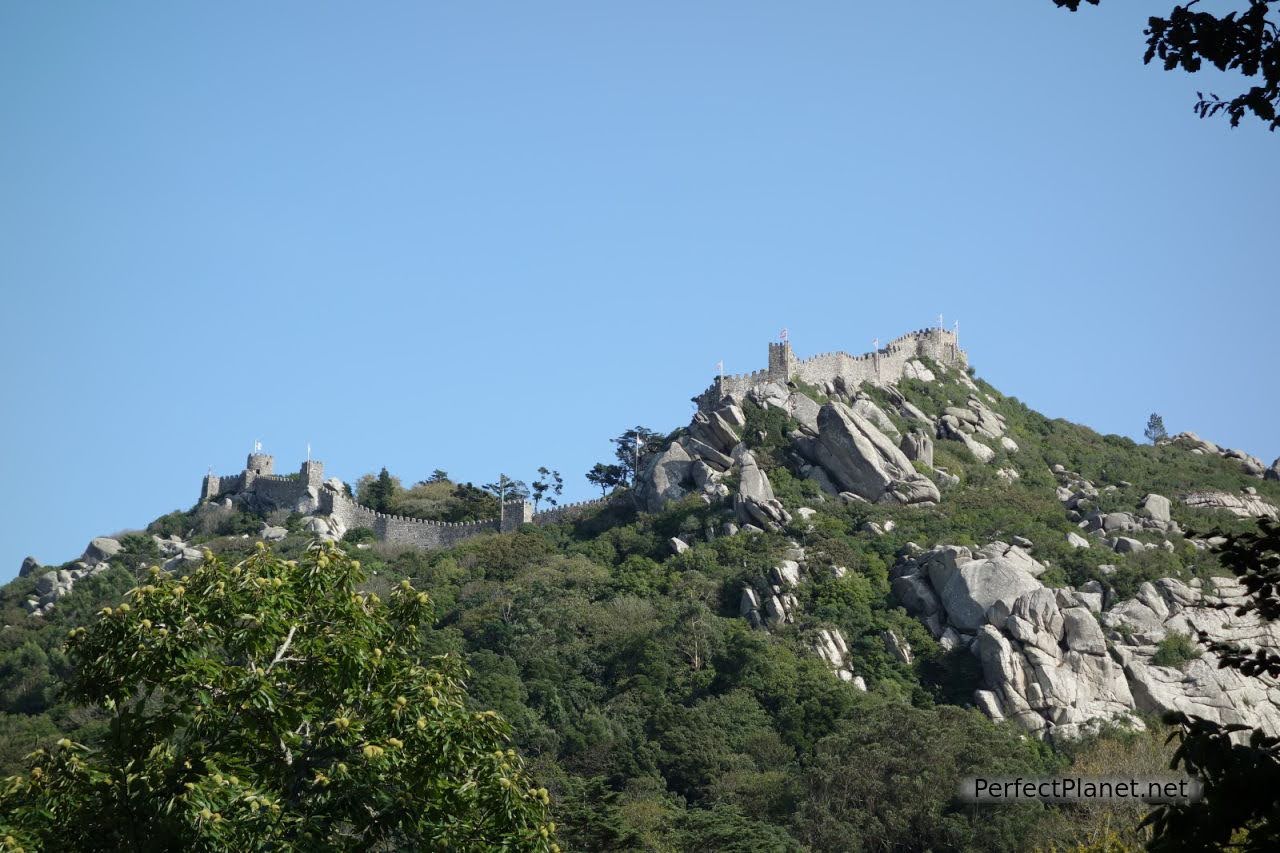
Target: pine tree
{"x":1155,"y":431}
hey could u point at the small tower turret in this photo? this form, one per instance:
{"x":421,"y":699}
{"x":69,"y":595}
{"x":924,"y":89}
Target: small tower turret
{"x":781,"y":362}
{"x":260,"y":463}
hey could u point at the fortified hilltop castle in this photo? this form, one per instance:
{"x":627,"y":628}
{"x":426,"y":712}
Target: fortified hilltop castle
{"x":307,"y":492}
{"x":889,"y":364}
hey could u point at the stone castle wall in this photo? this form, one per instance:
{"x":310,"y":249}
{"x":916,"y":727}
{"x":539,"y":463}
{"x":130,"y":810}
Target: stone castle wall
{"x":884,"y":366}
{"x":305,"y":490}
{"x":402,"y":530}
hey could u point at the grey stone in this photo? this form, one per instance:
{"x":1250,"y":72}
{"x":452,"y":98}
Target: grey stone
{"x":1125,"y":545}
{"x":46,"y":583}
{"x":918,"y":447}
{"x":678,"y":545}
{"x":916,"y":595}
{"x":665,"y":476}
{"x":1118,"y":521}
{"x":804,"y":410}
{"x":978,"y":584}
{"x":897,"y":647}
{"x":860,"y":459}
{"x":866,"y":408}
{"x":1082,"y":632}
{"x":707,"y":454}
{"x":1243,"y":506}
{"x":101,"y":549}
{"x":29,"y":565}
{"x":787,"y":574}
{"x":755,"y":501}
{"x":273,"y":534}
{"x":1156,"y":507}
{"x":1075,"y":540}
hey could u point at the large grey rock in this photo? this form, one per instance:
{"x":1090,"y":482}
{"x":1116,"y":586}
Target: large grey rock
{"x":1075,"y":540}
{"x":897,"y":647}
{"x":101,"y":550}
{"x":1155,"y":507}
{"x":1126,"y":545}
{"x":918,"y":447}
{"x":804,"y":410}
{"x":29,"y":566}
{"x":975,"y":586}
{"x":1016,"y":555}
{"x":273,"y":534}
{"x":325,"y":528}
{"x":755,"y":501}
{"x":706,"y":454}
{"x":862,"y":460}
{"x":1118,"y":521}
{"x":1083,"y":633}
{"x":665,"y":476}
{"x":952,"y":427}
{"x":1244,"y":505}
{"x":916,"y":594}
{"x":866,"y":407}
{"x":916,"y":369}
{"x":46,"y":583}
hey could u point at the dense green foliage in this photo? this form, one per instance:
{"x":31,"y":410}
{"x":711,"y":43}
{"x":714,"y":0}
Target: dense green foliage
{"x":269,"y":704}
{"x":655,"y":716}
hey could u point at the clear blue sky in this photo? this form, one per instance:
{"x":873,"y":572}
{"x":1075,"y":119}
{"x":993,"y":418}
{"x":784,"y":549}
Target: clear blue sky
{"x":488,"y":236}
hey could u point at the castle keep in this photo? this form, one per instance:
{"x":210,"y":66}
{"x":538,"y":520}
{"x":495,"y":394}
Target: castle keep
{"x":886,"y":365}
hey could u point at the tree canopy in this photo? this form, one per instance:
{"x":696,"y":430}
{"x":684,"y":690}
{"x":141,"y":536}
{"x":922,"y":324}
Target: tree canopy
{"x":1241,"y":40}
{"x":270,"y":704}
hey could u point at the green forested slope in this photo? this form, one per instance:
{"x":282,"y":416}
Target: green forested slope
{"x":657,"y":718}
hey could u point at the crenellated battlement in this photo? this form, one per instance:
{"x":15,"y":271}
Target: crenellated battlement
{"x":304,"y":492}
{"x":882,"y":366}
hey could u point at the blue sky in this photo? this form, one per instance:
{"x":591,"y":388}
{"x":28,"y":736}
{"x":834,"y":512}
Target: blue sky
{"x":488,"y":236}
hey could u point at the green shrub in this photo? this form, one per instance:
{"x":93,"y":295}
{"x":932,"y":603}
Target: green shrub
{"x":1175,"y":650}
{"x":359,"y":535}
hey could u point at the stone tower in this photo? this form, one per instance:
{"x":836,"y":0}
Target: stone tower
{"x":781,"y":362}
{"x":260,"y":463}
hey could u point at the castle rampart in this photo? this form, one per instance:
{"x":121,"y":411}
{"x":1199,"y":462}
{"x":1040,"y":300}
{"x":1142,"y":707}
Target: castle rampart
{"x":884,"y":366}
{"x":304,"y":492}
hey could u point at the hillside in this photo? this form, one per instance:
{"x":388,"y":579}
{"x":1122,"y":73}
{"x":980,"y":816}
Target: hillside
{"x":846,"y":583}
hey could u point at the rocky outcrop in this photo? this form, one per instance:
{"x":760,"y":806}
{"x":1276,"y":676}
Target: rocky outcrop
{"x":100,"y":550}
{"x":1156,"y":508}
{"x":30,"y":565}
{"x":865,"y":407}
{"x":918,"y":447}
{"x":829,"y":644}
{"x":755,"y":502}
{"x":1251,"y":465}
{"x":948,"y":427}
{"x":862,"y":460}
{"x":324,"y":527}
{"x":971,"y":422}
{"x":1199,"y":686}
{"x":1058,"y":663}
{"x":663,"y":477}
{"x":1245,"y":505}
